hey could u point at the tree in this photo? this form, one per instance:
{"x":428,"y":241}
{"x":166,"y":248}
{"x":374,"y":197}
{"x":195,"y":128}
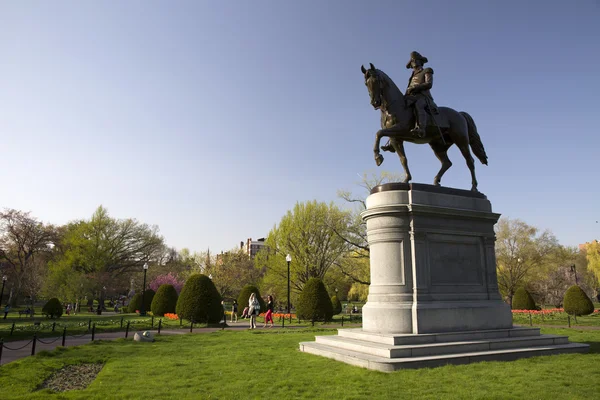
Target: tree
{"x":520,"y":250}
{"x":168,"y":279}
{"x":231,"y":271}
{"x":24,"y":241}
{"x":307,"y":233}
{"x":592,"y":252}
{"x":107,"y":249}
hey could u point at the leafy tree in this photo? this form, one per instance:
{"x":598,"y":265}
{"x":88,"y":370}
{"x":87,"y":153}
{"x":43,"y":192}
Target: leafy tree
{"x":577,"y":302}
{"x":108,"y":250}
{"x":231,"y":271}
{"x":199,"y":300}
{"x":165,"y":300}
{"x":314,"y":303}
{"x":523,"y":300}
{"x":520,"y":250}
{"x":307,"y":233}
{"x":592,"y":252}
{"x":24,"y":242}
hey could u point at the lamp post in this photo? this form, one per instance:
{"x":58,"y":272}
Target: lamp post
{"x":4,"y":278}
{"x":143,"y":309}
{"x":288,"y":258}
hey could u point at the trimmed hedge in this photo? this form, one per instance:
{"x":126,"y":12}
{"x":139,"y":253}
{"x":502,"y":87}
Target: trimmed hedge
{"x":244,"y":296}
{"x":576,"y":302}
{"x":199,"y":300}
{"x":337,"y":306}
{"x":314,"y":303}
{"x":165,"y":300}
{"x":522,"y":300}
{"x":53,"y":308}
{"x":136,"y":302}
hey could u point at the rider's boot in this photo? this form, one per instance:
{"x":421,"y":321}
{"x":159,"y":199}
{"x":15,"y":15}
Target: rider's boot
{"x":388,"y":147}
{"x":421,"y":123}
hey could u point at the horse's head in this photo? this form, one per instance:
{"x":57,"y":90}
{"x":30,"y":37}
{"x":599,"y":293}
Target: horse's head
{"x":374,"y":83}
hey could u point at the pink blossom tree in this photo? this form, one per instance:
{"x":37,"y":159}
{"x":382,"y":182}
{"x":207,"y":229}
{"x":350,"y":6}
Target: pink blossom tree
{"x":169,"y":279}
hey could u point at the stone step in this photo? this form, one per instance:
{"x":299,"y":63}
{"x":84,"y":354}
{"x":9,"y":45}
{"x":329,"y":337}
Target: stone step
{"x":391,"y":364}
{"x":438,"y":348}
{"x":423,"y":338}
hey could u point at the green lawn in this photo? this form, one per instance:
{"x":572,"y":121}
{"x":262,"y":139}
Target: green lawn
{"x":557,"y":319}
{"x":267,"y":364}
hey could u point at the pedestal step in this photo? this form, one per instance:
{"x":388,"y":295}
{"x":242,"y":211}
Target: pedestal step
{"x":429,"y":352}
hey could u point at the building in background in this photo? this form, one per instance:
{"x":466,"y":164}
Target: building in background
{"x":252,"y":247}
{"x":584,"y":245}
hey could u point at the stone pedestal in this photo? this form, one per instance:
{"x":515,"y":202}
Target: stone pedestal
{"x":433,"y":298}
{"x":433,"y":267}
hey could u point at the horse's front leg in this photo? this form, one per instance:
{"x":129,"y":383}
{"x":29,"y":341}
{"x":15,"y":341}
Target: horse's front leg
{"x":378,"y":156}
{"x":399,"y":147}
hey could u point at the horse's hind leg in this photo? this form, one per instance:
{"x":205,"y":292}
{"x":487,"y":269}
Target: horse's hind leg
{"x":441,"y":152}
{"x":399,"y":147}
{"x":464,"y":149}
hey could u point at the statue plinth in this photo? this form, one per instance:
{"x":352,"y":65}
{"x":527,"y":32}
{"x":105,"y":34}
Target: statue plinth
{"x":434,"y":297}
{"x":433,"y":266}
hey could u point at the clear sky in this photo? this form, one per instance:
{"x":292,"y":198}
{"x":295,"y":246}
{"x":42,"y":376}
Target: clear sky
{"x":211,"y":119}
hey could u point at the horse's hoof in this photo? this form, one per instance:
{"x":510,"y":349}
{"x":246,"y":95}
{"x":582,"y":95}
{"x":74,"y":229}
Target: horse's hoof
{"x":436,"y":183}
{"x":378,"y":159}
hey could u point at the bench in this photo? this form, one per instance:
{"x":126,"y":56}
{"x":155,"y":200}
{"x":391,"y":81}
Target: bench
{"x":27,"y":312}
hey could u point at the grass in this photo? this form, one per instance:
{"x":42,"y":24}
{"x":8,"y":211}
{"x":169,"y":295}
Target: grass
{"x":267,"y":364}
{"x":558,"y":319}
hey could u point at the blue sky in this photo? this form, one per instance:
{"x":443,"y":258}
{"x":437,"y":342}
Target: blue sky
{"x":211,"y":119}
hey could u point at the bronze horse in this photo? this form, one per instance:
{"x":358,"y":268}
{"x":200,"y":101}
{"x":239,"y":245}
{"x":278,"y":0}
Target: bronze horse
{"x":397,"y":119}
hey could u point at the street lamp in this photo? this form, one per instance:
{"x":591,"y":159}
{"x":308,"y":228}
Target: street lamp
{"x":143,"y":310}
{"x":288,"y":258}
{"x":4,"y":278}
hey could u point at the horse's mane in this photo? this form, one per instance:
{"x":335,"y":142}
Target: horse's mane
{"x":398,"y":95}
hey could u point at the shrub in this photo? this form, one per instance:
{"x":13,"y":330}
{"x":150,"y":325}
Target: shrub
{"x":576,"y":302}
{"x":148,"y":297}
{"x":522,"y":300}
{"x":165,"y":300}
{"x":337,"y":306}
{"x":314,"y":302}
{"x":199,"y":300}
{"x":244,"y":296}
{"x":53,"y":308}
{"x":135,"y":303}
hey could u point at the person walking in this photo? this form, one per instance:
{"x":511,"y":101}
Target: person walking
{"x":269,"y":314}
{"x":253,"y":310}
{"x":234,"y":310}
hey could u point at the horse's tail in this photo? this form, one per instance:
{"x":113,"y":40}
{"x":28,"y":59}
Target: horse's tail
{"x":474,"y":139}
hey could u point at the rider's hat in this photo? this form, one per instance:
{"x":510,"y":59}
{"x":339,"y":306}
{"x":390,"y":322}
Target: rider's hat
{"x":416,"y":56}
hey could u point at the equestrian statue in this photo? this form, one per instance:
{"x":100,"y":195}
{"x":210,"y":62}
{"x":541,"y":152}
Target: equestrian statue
{"x":414,"y":117}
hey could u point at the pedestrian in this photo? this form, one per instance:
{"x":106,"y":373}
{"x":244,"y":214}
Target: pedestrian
{"x":253,"y":309}
{"x":6,"y":310}
{"x":245,"y":313}
{"x":269,"y":314}
{"x":234,"y":310}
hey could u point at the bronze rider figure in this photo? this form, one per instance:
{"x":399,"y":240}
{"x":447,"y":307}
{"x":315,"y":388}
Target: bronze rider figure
{"x":418,"y":93}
